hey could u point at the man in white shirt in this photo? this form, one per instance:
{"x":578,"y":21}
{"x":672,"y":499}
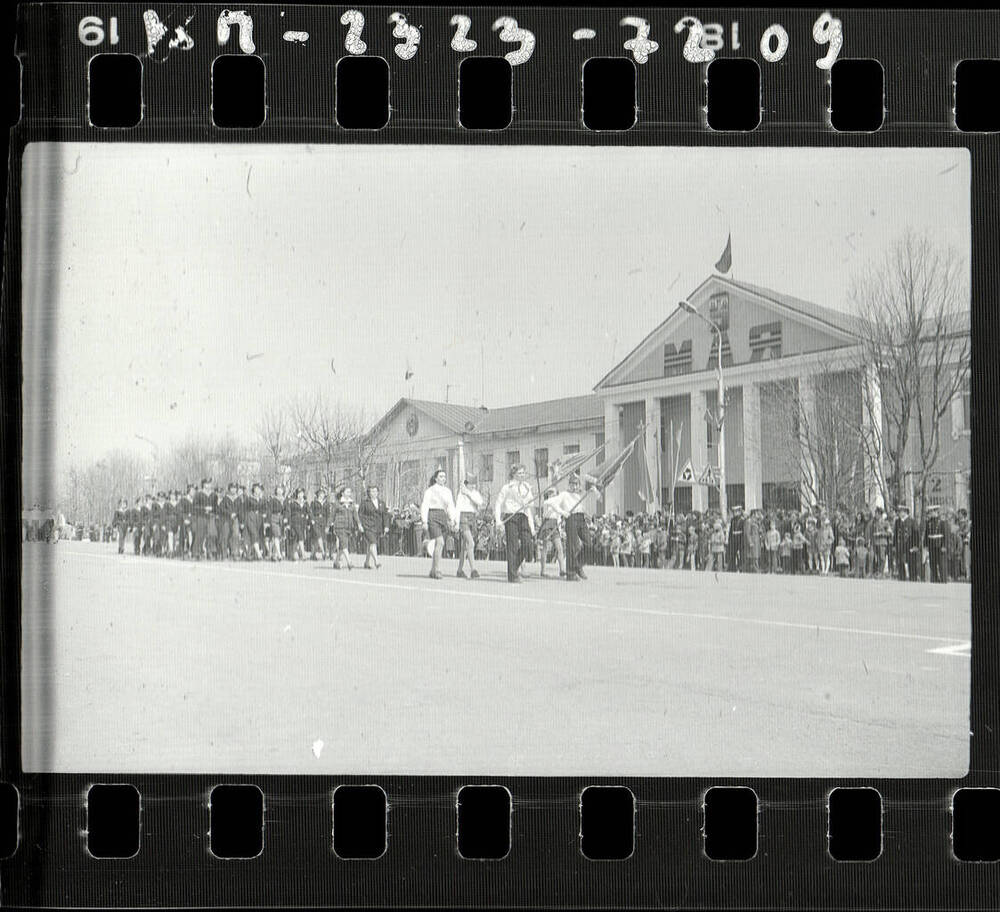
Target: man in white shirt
{"x":569,"y":504}
{"x":513,"y":512}
{"x":470,"y":502}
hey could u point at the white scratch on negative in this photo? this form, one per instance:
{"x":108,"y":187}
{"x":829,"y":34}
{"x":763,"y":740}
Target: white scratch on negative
{"x":317,"y":748}
{"x":469,"y":594}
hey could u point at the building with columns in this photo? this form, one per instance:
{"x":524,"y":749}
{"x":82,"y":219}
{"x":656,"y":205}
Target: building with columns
{"x":780,"y":354}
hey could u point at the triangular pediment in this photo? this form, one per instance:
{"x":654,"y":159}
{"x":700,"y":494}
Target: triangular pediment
{"x":758,"y":324}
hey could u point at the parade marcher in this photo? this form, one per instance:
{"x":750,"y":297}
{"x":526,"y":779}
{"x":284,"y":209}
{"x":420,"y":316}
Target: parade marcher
{"x":513,"y":513}
{"x":121,"y":523}
{"x":470,"y":501}
{"x":934,"y":542}
{"x":277,"y":517}
{"x":438,"y":514}
{"x":253,"y":528}
{"x":202,"y":507}
{"x":170,"y":520}
{"x":344,"y":523}
{"x":319,"y":511}
{"x":548,"y":532}
{"x":298,"y":523}
{"x":374,"y":516}
{"x":224,"y":519}
{"x":185,"y":513}
{"x":570,"y":505}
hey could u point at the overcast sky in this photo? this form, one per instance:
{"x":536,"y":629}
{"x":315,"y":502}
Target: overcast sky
{"x":193,"y":284}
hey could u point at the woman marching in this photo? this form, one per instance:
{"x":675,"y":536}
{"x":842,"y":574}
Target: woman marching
{"x":374,"y":518}
{"x":344,"y":523}
{"x":437,"y":514}
{"x":298,"y":520}
{"x":470,"y":502}
{"x":513,"y":514}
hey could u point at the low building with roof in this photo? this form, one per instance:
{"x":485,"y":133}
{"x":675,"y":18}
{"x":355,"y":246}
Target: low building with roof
{"x":417,"y":436}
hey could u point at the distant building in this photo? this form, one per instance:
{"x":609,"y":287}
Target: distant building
{"x":778,"y":353}
{"x":417,"y":436}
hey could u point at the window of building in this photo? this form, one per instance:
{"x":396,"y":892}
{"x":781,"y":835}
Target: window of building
{"x":570,"y":449}
{"x":542,"y":462}
{"x":513,"y":458}
{"x":765,"y":341}
{"x":734,"y":496}
{"x":599,"y":442}
{"x":682,"y":498}
{"x":486,"y":467}
{"x":677,"y":360}
{"x":780,"y":495}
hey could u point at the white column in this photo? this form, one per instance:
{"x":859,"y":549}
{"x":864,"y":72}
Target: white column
{"x":807,"y":412}
{"x":653,"y":445}
{"x":699,"y":448}
{"x":871,"y":425}
{"x":752,"y":484}
{"x":612,"y":444}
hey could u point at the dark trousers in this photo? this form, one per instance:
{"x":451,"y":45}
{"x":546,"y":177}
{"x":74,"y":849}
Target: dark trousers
{"x":938,"y":564}
{"x":122,"y":532}
{"x":200,"y":526}
{"x":577,"y":542}
{"x":518,"y":533}
{"x":734,"y":552}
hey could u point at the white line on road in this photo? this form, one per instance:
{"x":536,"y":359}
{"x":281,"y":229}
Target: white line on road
{"x":964,"y":650}
{"x":469,"y":593}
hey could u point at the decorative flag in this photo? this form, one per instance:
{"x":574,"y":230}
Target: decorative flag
{"x":646,"y":493}
{"x":686,"y":473}
{"x":569,"y":464}
{"x":614,"y":467}
{"x":726,"y":260}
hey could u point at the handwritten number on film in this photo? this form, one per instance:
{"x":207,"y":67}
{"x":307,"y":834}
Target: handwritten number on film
{"x":703,"y":40}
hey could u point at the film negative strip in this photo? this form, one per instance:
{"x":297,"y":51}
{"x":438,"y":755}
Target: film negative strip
{"x":500,"y":456}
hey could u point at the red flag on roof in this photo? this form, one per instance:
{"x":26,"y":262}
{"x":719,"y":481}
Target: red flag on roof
{"x":726,"y":260}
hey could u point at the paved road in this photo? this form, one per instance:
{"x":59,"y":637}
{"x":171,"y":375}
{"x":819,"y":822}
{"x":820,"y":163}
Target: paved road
{"x":141,"y":664}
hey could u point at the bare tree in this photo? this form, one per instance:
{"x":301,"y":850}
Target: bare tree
{"x":91,"y":493}
{"x":274,"y":430}
{"x":820,"y":430}
{"x":327,"y":431}
{"x":912,"y":308}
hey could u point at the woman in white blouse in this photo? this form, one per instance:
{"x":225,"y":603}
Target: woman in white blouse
{"x":470,"y":502}
{"x":513,"y":512}
{"x":437,"y":515}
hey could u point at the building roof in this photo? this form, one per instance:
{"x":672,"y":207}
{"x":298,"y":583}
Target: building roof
{"x":460,"y":419}
{"x":845,"y":322}
{"x":574,"y":409}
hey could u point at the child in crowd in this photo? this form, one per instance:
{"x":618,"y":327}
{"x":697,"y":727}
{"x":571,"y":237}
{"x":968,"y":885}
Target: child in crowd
{"x":692,"y":548}
{"x":772,"y":541}
{"x":799,"y":545}
{"x":718,"y":548}
{"x":785,"y":551}
{"x":860,"y":557}
{"x":842,"y":557}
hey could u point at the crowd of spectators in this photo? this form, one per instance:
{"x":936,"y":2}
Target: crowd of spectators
{"x":818,"y":541}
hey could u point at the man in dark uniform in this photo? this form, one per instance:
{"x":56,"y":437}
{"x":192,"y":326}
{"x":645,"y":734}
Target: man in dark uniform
{"x":734,"y":549}
{"x":121,"y":523}
{"x":185,"y":521}
{"x":143,"y":533}
{"x":155,"y":517}
{"x":201,"y":509}
{"x":906,"y":541}
{"x":319,"y":511}
{"x":934,"y":541}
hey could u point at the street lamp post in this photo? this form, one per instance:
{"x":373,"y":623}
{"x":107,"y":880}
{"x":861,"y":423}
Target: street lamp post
{"x":720,"y":408}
